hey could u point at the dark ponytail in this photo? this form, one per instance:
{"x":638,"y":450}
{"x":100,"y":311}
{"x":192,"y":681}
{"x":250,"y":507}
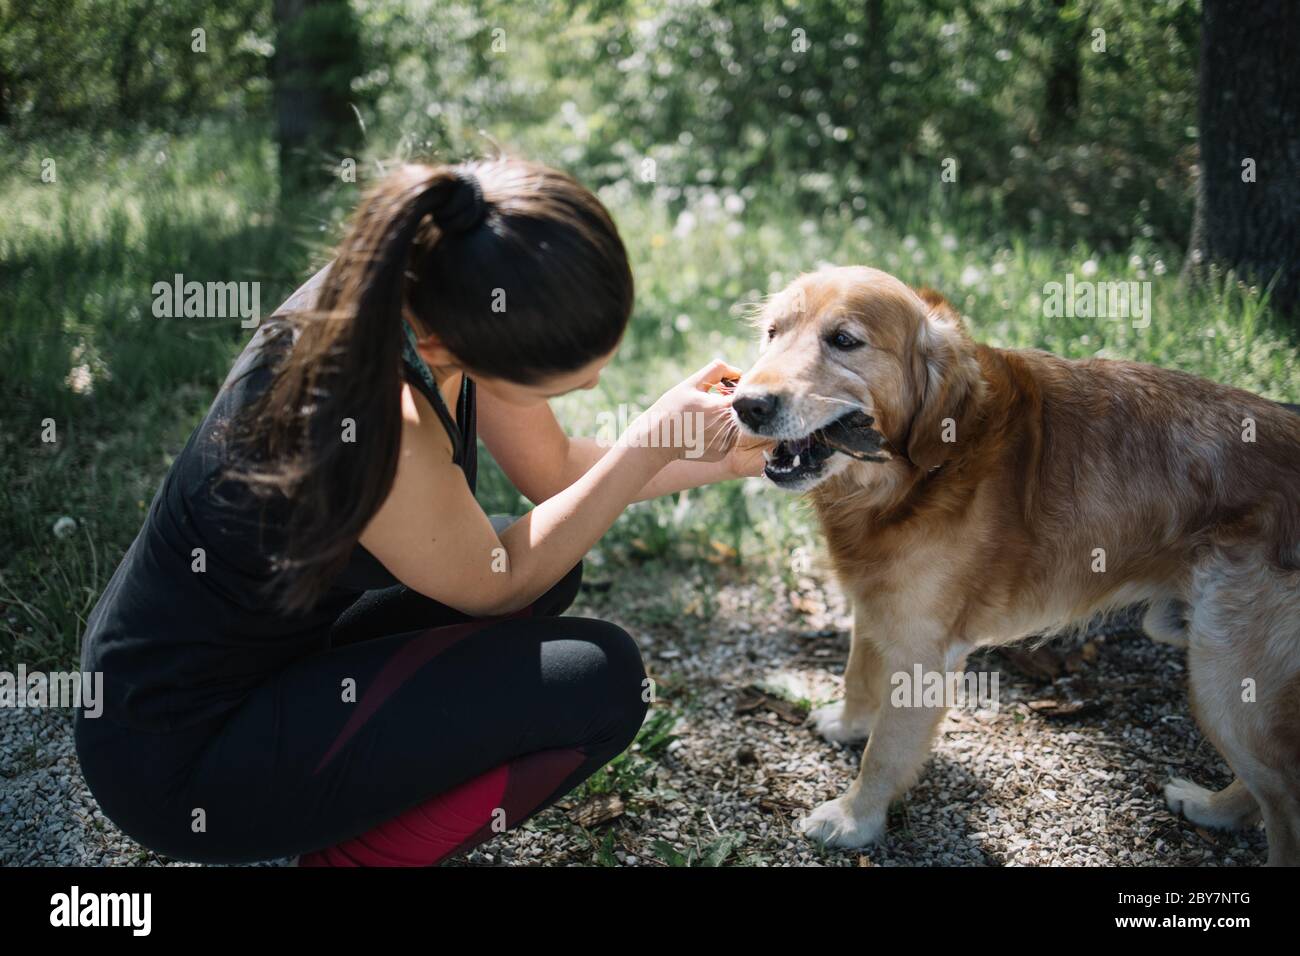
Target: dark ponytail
{"x":447,"y":244}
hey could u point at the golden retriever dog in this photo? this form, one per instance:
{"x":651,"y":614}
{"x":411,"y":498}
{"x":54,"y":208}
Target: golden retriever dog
{"x":971,"y":496}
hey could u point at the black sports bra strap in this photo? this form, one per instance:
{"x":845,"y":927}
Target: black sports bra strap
{"x":448,"y":420}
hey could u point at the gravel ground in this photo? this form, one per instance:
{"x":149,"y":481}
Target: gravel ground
{"x":1074,"y":779}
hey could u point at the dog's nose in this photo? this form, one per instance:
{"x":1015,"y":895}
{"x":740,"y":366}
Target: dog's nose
{"x":756,"y":410}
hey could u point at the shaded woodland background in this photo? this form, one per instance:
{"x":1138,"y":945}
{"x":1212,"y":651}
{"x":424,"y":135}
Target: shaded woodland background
{"x":984,"y":147}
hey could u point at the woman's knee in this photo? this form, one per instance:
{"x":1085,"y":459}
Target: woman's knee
{"x":611,"y":679}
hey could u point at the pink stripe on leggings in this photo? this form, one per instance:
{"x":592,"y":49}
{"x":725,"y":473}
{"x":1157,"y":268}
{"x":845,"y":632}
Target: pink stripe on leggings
{"x":409,"y":658}
{"x":458,"y":819}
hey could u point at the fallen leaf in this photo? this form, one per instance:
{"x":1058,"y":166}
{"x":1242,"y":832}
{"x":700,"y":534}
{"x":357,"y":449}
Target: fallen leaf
{"x":770,"y":804}
{"x":597,"y":810}
{"x":1064,"y":710}
{"x":754,"y":697}
{"x":721,"y":552}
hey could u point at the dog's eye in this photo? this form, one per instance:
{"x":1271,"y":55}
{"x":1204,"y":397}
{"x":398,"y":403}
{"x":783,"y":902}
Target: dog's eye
{"x":843,"y":341}
{"x":771,"y":333}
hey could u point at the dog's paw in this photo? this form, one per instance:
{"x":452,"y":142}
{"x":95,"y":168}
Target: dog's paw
{"x":830,"y":723}
{"x":834,"y":824}
{"x":1233,"y":809}
{"x":1180,"y":793}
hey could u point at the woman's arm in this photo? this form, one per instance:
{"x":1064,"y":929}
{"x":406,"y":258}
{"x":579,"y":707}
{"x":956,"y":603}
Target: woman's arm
{"x":531,"y":448}
{"x":745,"y":460}
{"x":433,"y":536}
{"x":540,"y":459}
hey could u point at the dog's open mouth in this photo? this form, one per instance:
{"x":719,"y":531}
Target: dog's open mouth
{"x":852,"y":434}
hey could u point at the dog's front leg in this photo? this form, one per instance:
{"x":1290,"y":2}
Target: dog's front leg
{"x":865,"y":686}
{"x":900,"y":743}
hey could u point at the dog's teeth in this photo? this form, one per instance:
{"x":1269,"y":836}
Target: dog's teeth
{"x":796,"y":463}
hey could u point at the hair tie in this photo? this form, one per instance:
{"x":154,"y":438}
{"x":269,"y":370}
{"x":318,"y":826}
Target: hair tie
{"x":465,"y":206}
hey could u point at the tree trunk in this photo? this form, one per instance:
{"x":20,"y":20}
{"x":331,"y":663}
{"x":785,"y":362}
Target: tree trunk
{"x":317,"y":54}
{"x":1064,"y":74}
{"x":1248,"y":192}
{"x":875,"y":39}
{"x":875,"y":55}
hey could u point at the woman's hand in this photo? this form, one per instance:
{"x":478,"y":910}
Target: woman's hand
{"x":690,"y":420}
{"x":746,"y":458}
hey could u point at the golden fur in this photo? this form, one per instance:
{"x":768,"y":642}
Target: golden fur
{"x":1054,"y":469}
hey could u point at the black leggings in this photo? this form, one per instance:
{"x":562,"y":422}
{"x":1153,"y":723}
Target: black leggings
{"x":421,"y":732}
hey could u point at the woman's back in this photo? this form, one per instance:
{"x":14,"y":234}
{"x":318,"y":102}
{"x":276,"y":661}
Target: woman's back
{"x":187,"y":625}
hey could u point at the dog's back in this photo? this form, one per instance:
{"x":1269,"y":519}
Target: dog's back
{"x":1185,"y":463}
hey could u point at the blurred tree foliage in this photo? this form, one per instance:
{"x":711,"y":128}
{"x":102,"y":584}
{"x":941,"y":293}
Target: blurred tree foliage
{"x":1045,"y":124}
{"x":112,"y":64}
{"x":1076,"y":118}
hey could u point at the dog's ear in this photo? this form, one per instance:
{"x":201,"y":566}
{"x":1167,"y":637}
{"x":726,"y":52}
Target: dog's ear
{"x":938,"y":304}
{"x":946,"y":381}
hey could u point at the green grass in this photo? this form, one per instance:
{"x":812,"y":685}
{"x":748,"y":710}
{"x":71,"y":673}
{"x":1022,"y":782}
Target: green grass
{"x":78,"y":259}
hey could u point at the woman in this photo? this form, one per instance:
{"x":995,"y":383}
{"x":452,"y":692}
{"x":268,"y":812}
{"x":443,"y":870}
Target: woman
{"x":319,"y":644}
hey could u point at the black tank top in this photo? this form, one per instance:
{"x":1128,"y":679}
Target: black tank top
{"x":185,"y":629}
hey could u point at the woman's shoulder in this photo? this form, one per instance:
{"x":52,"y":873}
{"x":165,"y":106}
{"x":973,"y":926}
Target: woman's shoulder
{"x":202,"y":490}
{"x":304,"y":297}
{"x":272,"y":340}
{"x":248,"y":379}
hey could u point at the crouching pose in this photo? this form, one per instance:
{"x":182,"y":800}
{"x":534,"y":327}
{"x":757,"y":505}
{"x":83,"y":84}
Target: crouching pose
{"x":319,"y":645}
